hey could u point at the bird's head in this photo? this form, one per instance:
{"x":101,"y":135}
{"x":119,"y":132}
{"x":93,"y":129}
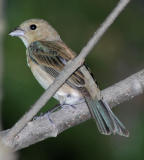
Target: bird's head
{"x":34,"y":30}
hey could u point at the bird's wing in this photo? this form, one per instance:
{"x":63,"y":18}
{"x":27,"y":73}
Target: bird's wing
{"x":52,"y":57}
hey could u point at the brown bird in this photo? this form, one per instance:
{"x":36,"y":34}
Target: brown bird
{"x":47,"y":55}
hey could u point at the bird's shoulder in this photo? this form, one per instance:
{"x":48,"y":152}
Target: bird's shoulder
{"x":51,"y":48}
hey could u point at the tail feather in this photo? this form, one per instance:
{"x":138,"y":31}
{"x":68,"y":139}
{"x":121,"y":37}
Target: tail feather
{"x":105,"y":119}
{"x":102,"y":126}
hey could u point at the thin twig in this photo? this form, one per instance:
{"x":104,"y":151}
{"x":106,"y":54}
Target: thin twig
{"x":41,"y":128}
{"x":68,"y":70}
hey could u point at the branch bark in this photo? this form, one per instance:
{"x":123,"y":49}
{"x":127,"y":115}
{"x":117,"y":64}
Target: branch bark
{"x":68,"y":70}
{"x":65,"y":118}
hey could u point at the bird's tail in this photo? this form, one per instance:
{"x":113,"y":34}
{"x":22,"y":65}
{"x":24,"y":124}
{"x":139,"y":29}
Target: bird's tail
{"x":105,"y":119}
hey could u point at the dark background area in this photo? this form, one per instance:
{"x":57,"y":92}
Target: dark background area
{"x":119,"y":54}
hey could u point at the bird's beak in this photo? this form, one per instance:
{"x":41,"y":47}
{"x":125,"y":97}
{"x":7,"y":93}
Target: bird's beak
{"x":17,"y":32}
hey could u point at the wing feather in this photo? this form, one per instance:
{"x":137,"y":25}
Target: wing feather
{"x":52,"y":57}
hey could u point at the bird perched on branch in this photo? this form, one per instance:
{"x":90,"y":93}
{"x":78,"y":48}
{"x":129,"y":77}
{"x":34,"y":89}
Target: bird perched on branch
{"x":47,"y":55}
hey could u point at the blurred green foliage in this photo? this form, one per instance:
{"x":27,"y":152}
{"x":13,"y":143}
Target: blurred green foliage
{"x":119,"y":54}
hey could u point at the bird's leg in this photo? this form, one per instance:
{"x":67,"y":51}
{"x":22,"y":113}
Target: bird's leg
{"x":82,"y":100}
{"x":48,"y":113}
{"x":58,"y":106}
{"x":62,"y":100}
{"x":51,"y":111}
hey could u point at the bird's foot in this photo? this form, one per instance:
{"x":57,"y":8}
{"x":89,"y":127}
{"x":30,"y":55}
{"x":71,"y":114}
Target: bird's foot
{"x":69,"y":105}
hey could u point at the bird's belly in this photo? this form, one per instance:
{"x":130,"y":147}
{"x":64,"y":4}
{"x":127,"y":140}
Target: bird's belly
{"x":65,"y":95}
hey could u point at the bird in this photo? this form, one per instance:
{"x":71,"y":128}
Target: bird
{"x":47,"y":54}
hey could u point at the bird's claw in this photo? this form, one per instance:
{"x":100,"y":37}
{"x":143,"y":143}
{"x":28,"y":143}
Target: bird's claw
{"x":70,"y":105}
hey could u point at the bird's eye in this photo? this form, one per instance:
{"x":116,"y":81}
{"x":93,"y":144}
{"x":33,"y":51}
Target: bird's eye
{"x":33,"y":27}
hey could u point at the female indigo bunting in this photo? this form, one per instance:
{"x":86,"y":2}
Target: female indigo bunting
{"x":47,"y":55}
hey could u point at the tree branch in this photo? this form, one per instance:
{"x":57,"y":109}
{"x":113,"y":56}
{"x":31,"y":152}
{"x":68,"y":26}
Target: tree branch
{"x":68,"y":70}
{"x":65,"y":118}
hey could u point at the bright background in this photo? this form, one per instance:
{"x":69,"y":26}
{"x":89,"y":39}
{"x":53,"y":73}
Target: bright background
{"x":119,"y":54}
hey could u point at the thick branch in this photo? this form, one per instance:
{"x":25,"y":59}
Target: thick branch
{"x":68,"y":70}
{"x":41,"y":128}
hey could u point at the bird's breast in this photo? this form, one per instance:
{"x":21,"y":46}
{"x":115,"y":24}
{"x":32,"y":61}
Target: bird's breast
{"x":41,"y":76}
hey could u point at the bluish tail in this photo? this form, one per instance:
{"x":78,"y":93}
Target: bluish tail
{"x":105,"y":119}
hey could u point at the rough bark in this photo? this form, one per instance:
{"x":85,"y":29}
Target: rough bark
{"x":65,"y":118}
